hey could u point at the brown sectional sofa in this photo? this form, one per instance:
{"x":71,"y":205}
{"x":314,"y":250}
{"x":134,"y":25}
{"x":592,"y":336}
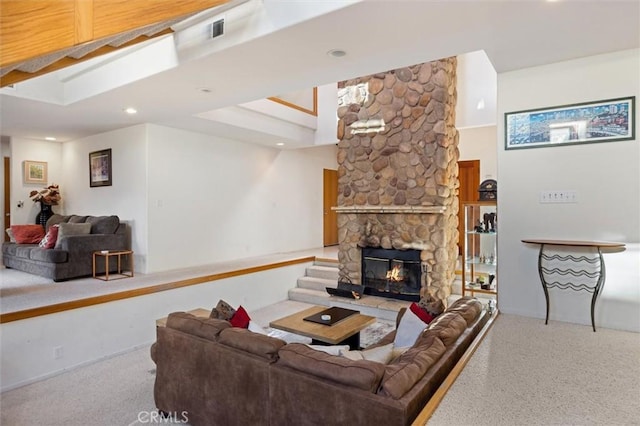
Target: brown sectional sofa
{"x":220,"y":375}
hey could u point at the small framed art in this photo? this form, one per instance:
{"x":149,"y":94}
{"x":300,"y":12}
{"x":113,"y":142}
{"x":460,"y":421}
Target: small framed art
{"x":35,"y":172}
{"x":100,"y":168}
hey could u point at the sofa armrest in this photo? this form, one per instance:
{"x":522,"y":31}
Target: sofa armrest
{"x":80,"y":245}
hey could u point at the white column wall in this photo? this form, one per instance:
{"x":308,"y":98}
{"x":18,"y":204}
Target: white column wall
{"x":213,"y":199}
{"x":605,"y":175}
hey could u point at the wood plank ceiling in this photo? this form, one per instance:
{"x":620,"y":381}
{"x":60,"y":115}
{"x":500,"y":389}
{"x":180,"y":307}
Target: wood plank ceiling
{"x":41,"y":36}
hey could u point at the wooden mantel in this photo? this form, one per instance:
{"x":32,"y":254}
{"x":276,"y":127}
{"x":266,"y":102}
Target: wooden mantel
{"x":390,"y":209}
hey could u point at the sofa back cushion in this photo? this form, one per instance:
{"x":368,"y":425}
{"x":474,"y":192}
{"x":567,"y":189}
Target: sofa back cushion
{"x":207,"y":328}
{"x":77,"y":219}
{"x":103,"y":224}
{"x":467,"y":307}
{"x":27,"y":234}
{"x":258,"y":344}
{"x":56,"y":219}
{"x":404,"y":372}
{"x":447,"y":327}
{"x":365,"y":375}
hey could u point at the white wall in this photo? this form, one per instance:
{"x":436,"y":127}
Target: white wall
{"x":211,"y":199}
{"x":479,"y":143}
{"x":33,"y":150}
{"x":126,"y":198}
{"x":605,"y":175}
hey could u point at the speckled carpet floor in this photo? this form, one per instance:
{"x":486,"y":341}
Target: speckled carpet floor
{"x":526,"y":373}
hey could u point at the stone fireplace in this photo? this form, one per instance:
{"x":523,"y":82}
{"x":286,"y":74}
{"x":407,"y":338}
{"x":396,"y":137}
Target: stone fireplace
{"x":398,"y":173}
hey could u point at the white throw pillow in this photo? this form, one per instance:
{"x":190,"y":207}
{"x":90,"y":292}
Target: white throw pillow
{"x":256,"y":328}
{"x":409,"y":329}
{"x":382,"y":354}
{"x":331,"y":350}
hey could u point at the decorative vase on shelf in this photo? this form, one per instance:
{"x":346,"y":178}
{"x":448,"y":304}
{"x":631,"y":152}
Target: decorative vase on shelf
{"x":45,"y":213}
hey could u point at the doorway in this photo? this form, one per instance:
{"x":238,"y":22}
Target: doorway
{"x":7,"y":196}
{"x":330,"y":222}
{"x":469,"y":176}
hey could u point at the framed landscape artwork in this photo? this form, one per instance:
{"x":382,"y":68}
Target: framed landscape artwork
{"x":35,"y":172}
{"x":100,"y":168}
{"x":602,"y":121}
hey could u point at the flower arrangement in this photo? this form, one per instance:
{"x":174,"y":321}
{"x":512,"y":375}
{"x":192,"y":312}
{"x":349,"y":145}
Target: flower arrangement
{"x":49,"y":195}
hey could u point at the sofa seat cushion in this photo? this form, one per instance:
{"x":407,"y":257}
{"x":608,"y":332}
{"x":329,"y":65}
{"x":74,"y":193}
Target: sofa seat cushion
{"x":23,"y":251}
{"x":448,"y":327}
{"x":365,"y":375}
{"x":405,"y":371}
{"x":207,"y":328}
{"x":103,"y":224}
{"x":254,"y":343}
{"x":468,"y":308}
{"x":48,"y":255}
{"x":12,"y":248}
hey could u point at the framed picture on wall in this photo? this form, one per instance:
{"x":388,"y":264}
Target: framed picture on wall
{"x":598,"y":121}
{"x":35,"y":172}
{"x":100,"y":168}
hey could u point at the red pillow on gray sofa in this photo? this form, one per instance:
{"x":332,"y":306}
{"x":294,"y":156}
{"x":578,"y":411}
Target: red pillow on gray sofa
{"x":27,"y":234}
{"x":49,"y":240}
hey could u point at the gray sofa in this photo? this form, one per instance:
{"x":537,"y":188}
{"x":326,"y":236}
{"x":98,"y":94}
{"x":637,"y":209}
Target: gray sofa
{"x":73,"y":255}
{"x":214,"y":374}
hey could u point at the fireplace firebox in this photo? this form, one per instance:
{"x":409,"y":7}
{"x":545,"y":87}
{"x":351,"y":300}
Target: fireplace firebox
{"x":396,"y":274}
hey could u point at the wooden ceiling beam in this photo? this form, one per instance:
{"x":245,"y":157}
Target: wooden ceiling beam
{"x":33,"y":28}
{"x":17,"y":76}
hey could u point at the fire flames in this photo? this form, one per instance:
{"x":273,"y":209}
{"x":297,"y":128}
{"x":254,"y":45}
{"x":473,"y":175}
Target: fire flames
{"x":395,"y":274}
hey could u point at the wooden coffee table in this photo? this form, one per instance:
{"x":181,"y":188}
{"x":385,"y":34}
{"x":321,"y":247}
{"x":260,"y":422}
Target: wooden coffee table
{"x":344,"y":332}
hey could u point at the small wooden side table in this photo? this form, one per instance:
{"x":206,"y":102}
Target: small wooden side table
{"x":126,"y":273}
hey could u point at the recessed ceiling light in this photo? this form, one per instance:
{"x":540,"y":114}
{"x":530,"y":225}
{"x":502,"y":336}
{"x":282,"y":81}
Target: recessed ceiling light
{"x":50,"y":138}
{"x":131,"y":110}
{"x":280,"y":144}
{"x":336,"y":53}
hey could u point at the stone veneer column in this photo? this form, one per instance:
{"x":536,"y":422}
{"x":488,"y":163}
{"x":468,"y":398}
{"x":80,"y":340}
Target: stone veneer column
{"x":411,"y":164}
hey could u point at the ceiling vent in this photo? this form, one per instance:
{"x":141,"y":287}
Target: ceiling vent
{"x":217,"y":28}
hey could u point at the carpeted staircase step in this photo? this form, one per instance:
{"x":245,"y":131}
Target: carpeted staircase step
{"x":326,"y":272}
{"x":306,"y":295}
{"x":332,"y":263}
{"x":314,"y":283}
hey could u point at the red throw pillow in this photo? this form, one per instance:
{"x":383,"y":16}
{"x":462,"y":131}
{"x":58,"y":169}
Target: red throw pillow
{"x":421,"y":313}
{"x":240,"y":318}
{"x":49,"y":240}
{"x":27,"y":234}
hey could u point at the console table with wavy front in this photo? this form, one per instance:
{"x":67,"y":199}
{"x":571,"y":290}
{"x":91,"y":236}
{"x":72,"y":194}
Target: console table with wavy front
{"x":589,"y":268}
